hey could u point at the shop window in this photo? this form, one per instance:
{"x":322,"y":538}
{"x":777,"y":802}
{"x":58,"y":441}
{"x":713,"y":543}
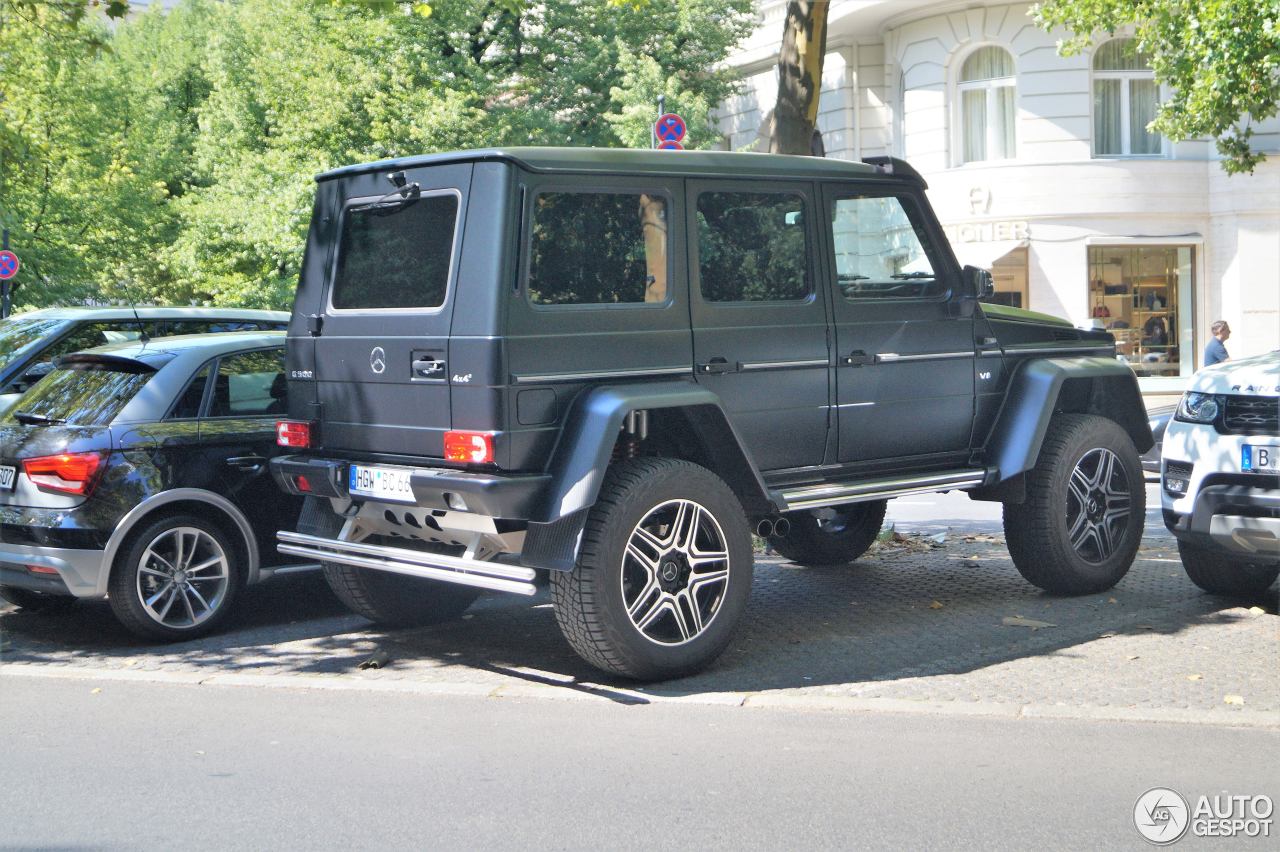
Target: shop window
{"x":986,"y":94}
{"x":1142,"y":295}
{"x":1125,"y":98}
{"x":1009,"y":274}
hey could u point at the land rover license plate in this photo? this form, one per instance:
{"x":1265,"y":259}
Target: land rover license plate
{"x":1260,"y":459}
{"x":8,"y":473}
{"x":380,"y":483}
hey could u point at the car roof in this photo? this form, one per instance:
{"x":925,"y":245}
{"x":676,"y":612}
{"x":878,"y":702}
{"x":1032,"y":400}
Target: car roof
{"x":641,"y":161}
{"x":153,"y":312}
{"x":160,"y":351}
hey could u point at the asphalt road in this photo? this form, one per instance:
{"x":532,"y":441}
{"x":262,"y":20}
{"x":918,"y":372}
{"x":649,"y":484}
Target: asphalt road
{"x":139,"y":765}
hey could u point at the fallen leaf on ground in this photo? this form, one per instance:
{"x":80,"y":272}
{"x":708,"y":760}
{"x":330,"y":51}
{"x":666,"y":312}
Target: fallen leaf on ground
{"x":1112,"y":600}
{"x":936,"y":605}
{"x":377,"y":661}
{"x":1195,"y":677}
{"x":1233,"y":699}
{"x":1019,"y":621}
{"x":95,"y":690}
{"x":1256,"y":610}
{"x":1133,"y":657}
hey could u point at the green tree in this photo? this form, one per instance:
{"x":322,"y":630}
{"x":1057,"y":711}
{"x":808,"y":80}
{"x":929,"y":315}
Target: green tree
{"x":182,"y":155}
{"x":1220,"y":59}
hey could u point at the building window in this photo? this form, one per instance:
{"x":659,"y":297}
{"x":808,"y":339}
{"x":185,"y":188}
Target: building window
{"x":986,"y":95}
{"x":1142,"y":295}
{"x":1125,"y":97}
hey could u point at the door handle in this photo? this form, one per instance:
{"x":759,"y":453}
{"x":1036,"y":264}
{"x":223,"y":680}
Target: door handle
{"x":248,"y":463}
{"x":716,"y":366}
{"x":427,"y":368}
{"x":858,"y":358}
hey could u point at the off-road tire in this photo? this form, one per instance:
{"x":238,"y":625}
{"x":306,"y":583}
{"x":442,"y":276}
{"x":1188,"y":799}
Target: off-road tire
{"x":1226,"y":574}
{"x":397,"y":600}
{"x":1037,"y":530}
{"x":837,"y":541}
{"x":122,"y":590}
{"x":589,"y":600}
{"x":32,"y":601}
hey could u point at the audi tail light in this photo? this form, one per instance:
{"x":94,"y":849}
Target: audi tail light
{"x":65,"y":473}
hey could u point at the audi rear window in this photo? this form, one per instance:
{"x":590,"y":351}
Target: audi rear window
{"x":395,"y":254}
{"x":81,"y":394}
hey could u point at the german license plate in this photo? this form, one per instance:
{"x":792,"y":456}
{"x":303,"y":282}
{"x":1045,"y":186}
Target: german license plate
{"x":8,"y":473}
{"x":380,"y":483}
{"x":1260,"y":459}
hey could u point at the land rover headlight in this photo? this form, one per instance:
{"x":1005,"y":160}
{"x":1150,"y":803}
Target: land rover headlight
{"x":1198,"y":407}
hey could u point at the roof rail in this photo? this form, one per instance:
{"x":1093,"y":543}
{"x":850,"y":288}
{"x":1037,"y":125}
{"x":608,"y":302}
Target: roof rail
{"x":897,"y":168}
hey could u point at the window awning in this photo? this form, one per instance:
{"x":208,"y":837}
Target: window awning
{"x":984,"y":254}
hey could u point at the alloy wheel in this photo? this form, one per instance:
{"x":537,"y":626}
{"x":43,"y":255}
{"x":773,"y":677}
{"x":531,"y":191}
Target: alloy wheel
{"x":183,"y":577}
{"x":675,"y":572}
{"x":1099,"y":504}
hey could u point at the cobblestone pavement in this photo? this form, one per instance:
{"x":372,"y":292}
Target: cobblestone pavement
{"x":915,"y":624}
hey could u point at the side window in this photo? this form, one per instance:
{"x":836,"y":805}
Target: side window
{"x":188,"y":405}
{"x":880,"y":252}
{"x":250,"y":384}
{"x":94,"y":334}
{"x":598,"y":248}
{"x":751,"y":247}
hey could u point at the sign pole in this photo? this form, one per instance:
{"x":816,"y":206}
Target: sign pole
{"x":653,"y":131}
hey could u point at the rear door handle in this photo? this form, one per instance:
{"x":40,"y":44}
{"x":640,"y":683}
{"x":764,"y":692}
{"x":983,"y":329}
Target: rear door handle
{"x":716,"y":366}
{"x":248,"y":463}
{"x":858,"y":358}
{"x":427,"y":368}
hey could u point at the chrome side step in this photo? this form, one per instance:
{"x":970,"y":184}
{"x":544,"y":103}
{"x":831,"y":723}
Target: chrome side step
{"x":835,"y":494}
{"x":460,"y":570}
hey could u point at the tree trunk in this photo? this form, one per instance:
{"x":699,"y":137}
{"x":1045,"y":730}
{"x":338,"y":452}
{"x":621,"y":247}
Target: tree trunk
{"x":804,"y":44}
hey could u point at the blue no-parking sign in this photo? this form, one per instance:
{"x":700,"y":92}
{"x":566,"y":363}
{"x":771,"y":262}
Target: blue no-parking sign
{"x":9,"y":265}
{"x":669,"y":128}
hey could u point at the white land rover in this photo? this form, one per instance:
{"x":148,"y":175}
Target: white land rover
{"x":1221,"y":476}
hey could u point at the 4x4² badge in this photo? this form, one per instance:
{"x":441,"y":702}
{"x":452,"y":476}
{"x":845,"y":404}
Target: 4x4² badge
{"x":378,"y":360}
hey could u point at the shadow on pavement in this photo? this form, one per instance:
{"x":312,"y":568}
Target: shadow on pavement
{"x":901,"y":612}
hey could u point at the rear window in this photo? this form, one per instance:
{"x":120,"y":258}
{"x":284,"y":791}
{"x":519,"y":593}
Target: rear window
{"x":81,"y":394}
{"x":395,"y":255}
{"x":18,"y":333}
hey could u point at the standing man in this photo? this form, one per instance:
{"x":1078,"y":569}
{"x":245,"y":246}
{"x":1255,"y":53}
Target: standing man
{"x":1215,"y":352}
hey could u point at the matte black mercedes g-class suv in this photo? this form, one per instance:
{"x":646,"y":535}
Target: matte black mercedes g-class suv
{"x":611,"y":366}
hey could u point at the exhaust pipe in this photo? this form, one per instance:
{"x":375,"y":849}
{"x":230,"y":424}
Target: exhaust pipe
{"x":773,"y":527}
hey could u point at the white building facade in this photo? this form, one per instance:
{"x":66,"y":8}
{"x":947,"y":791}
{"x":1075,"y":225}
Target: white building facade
{"x":1042,"y":170}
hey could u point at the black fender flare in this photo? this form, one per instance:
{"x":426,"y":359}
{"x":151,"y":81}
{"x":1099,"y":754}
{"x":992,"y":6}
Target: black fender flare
{"x":582,"y":455}
{"x":1042,"y":387}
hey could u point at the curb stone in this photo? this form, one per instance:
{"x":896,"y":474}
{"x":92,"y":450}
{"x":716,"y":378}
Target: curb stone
{"x":577,"y":691}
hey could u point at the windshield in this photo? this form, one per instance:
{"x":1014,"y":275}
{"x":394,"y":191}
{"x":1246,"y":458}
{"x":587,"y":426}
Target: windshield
{"x":89,"y":394}
{"x":18,"y":333}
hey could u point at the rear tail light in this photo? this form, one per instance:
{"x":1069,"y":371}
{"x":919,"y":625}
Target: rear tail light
{"x":67,"y":473}
{"x":295,"y":434}
{"x":470,"y":447}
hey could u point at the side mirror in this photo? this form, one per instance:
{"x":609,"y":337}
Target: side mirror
{"x":978,"y":283}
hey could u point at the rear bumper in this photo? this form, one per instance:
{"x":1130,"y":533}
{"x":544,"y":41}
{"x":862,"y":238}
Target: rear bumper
{"x":509,"y":496}
{"x":76,"y":572}
{"x":1236,"y":518}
